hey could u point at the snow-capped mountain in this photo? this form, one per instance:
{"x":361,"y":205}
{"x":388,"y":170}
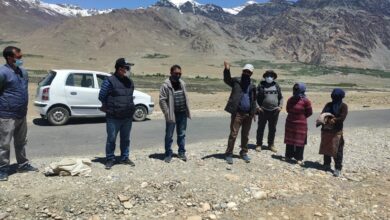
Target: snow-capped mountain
{"x":238,"y":9}
{"x":53,"y":9}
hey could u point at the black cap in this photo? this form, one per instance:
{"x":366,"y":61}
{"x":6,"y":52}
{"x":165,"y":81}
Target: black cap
{"x":121,"y":62}
{"x":270,"y":73}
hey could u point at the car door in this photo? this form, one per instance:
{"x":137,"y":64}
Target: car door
{"x":82,"y":94}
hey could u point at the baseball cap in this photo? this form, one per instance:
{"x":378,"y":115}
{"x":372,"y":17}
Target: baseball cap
{"x":249,"y":67}
{"x":121,"y":62}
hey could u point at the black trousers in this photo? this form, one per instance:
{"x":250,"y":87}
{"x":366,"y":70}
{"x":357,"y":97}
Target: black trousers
{"x":293,"y":151}
{"x":338,"y":160}
{"x":272,"y":118}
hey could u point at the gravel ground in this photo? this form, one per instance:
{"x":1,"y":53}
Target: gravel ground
{"x":207,"y":188}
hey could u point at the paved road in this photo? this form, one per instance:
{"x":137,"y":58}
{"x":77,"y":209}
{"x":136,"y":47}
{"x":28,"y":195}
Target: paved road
{"x":87,"y":137}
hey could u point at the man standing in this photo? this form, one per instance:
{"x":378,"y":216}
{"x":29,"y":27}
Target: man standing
{"x":116,"y":95}
{"x":270,"y":101}
{"x":13,"y":111}
{"x":174,"y":104}
{"x":242,"y":107}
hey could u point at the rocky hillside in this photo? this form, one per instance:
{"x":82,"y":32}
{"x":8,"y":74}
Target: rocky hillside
{"x":324,"y":32}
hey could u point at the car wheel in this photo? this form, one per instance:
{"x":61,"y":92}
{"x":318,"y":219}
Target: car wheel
{"x":58,"y":116}
{"x":140,"y":113}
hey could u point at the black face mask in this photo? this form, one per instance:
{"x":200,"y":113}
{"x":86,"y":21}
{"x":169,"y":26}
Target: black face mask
{"x":175,"y":78}
{"x":245,"y":81}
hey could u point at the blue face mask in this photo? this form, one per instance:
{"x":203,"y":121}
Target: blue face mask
{"x":19,"y":62}
{"x":269,"y":79}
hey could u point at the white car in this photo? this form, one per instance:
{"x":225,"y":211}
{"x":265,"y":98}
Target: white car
{"x":74,"y":93}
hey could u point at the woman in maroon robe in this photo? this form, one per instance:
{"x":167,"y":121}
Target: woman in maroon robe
{"x":298,"y":109}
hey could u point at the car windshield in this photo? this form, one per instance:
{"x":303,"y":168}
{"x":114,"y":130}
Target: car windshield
{"x":48,"y":79}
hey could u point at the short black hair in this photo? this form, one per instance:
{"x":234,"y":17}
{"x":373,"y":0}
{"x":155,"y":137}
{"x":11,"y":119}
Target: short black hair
{"x":175,"y":67}
{"x":9,"y":51}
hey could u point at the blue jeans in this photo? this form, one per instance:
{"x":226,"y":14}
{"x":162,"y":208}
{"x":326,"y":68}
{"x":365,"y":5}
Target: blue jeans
{"x":181,"y":126}
{"x":113,"y":126}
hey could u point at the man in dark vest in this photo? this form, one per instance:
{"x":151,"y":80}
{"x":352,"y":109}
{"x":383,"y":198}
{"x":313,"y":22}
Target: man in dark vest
{"x":13,"y":111}
{"x":116,"y":95}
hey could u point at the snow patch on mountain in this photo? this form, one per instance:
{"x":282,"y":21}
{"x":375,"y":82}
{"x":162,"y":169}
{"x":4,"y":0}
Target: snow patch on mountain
{"x":237,"y":10}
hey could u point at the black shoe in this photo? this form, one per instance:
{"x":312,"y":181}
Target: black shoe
{"x":182,"y":156}
{"x":109,"y":164}
{"x":3,"y":176}
{"x":327,"y":168}
{"x":229,"y":159}
{"x":168,"y":159}
{"x":128,"y":162}
{"x":27,"y":168}
{"x":246,"y":158}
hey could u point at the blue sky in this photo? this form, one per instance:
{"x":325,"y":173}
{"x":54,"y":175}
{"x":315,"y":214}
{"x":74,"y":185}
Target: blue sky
{"x":102,"y":4}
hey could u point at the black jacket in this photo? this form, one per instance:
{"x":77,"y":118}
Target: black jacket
{"x":120,"y":101}
{"x":236,"y":94}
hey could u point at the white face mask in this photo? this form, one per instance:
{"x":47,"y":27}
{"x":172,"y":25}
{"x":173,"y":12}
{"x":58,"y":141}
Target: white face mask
{"x":269,"y":79}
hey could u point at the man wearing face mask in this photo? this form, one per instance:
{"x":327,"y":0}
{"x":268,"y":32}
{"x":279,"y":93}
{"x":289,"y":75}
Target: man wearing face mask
{"x":242,"y":107}
{"x":175,"y":106}
{"x":116,"y":95}
{"x":13,"y":111}
{"x":270,"y":102}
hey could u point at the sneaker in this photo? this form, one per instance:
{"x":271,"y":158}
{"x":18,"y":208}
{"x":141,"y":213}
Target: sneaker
{"x":246,"y":158}
{"x":3,"y":176}
{"x":168,"y":159}
{"x":258,"y":148}
{"x":229,"y":159}
{"x":27,"y":168}
{"x":273,"y":149}
{"x":337,"y":173}
{"x":182,"y":156}
{"x":128,"y":162}
{"x":109,"y":164}
{"x":300,"y":162}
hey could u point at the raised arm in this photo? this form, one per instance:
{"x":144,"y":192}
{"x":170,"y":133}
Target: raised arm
{"x":227,"y":78}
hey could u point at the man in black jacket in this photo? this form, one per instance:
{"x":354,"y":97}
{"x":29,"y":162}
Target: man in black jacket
{"x":116,"y":95}
{"x":242,"y":107}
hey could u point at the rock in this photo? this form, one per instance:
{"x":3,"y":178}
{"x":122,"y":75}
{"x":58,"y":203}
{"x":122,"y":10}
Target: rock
{"x":127,"y":205}
{"x":260,"y":195}
{"x":123,"y":198}
{"x":8,"y":210}
{"x":144,"y":185}
{"x":195,"y":217}
{"x":318,"y":214}
{"x":94,"y":217}
{"x":58,"y":218}
{"x":3,"y":216}
{"x":26,"y":206}
{"x":206,"y":207}
{"x":231,"y":205}
{"x":232,"y":178}
{"x":212,"y":216}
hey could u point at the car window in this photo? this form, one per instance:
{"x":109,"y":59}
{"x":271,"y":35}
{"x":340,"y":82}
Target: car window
{"x":100,"y":79}
{"x":48,"y":79}
{"x":84,"y":80}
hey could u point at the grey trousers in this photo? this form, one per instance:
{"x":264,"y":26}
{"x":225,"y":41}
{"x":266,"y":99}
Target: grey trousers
{"x":17,"y":129}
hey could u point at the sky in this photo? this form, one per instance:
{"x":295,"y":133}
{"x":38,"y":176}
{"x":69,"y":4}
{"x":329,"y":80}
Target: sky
{"x":104,"y":4}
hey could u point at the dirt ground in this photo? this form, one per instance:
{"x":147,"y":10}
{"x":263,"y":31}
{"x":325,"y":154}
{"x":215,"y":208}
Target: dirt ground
{"x":206,"y":187}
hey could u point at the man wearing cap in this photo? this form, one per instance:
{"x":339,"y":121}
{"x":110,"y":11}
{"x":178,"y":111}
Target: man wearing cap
{"x":116,"y":95}
{"x":242,"y":107}
{"x":270,"y":101}
{"x":174,"y":104}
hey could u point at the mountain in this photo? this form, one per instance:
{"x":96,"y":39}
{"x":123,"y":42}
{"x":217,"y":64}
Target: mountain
{"x":238,"y":9}
{"x":322,"y":32}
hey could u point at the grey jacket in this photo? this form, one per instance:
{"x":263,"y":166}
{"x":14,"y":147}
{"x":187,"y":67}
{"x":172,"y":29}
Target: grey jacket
{"x":167,"y":102}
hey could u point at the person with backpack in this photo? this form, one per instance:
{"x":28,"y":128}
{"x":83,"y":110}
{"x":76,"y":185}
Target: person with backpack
{"x":270,"y":102}
{"x":242,"y":107}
